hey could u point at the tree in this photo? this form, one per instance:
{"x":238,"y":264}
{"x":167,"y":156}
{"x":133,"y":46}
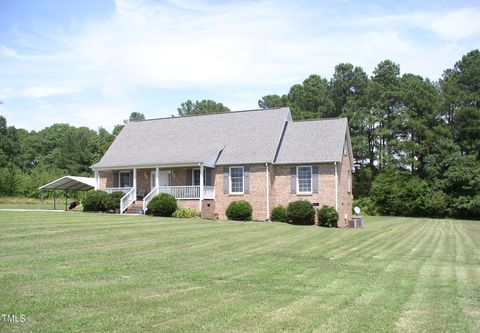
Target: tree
{"x":461,"y":102}
{"x":415,"y":121}
{"x":311,"y":99}
{"x":384,"y":94}
{"x":273,"y":101}
{"x":348,"y":84}
{"x":117,"y":129}
{"x":135,"y":116}
{"x":205,"y":106}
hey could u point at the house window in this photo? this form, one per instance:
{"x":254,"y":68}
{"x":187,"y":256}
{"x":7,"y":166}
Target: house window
{"x":304,"y":179}
{"x":236,"y":180}
{"x":196,"y":177}
{"x":124,"y":179}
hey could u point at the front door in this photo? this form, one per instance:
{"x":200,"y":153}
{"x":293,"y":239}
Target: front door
{"x":163,"y":178}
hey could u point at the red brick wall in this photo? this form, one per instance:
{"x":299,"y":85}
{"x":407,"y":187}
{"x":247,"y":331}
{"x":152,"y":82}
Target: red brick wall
{"x":279,"y":181}
{"x":345,"y":196}
{"x":256,"y":197}
{"x":281,"y":186}
{"x":105,"y":179}
{"x":143,"y":181}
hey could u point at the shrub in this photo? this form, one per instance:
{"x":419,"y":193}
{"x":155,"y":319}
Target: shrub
{"x":239,"y":210}
{"x":279,"y":214}
{"x":163,"y":204}
{"x":399,"y":193}
{"x":185,"y":213}
{"x":367,"y":206}
{"x":301,"y":212}
{"x":112,"y":201}
{"x":327,"y":216}
{"x":94,"y":201}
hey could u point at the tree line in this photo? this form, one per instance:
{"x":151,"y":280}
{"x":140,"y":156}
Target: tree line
{"x":416,"y":142}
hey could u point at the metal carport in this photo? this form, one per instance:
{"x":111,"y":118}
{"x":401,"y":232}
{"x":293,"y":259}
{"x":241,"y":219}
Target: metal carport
{"x":68,"y":183}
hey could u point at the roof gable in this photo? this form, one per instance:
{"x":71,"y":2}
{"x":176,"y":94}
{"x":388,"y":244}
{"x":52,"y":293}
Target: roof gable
{"x":313,"y":141}
{"x":242,"y":137}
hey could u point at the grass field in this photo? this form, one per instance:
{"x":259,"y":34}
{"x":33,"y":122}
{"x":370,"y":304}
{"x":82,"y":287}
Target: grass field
{"x":80,"y":272}
{"x":32,"y":203}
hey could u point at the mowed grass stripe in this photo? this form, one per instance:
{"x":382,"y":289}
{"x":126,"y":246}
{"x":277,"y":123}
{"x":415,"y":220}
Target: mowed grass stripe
{"x":103,"y":273}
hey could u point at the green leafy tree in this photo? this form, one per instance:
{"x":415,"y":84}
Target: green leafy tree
{"x":273,"y":101}
{"x":384,"y":92}
{"x":460,"y":94}
{"x":135,"y":116}
{"x":415,"y":121}
{"x":347,"y":86}
{"x":205,"y":106}
{"x":311,"y":99}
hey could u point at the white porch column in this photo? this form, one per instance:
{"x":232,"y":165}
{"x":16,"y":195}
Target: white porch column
{"x":97,"y":180}
{"x":135,"y":181}
{"x":336,"y":186}
{"x":267,"y":187}
{"x":157,"y":176}
{"x":201,"y":189}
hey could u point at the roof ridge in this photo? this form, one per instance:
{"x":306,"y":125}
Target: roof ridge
{"x":319,"y":119}
{"x":206,"y":114}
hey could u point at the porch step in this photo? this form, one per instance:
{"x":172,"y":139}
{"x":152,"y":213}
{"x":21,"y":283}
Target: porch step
{"x":135,"y":207}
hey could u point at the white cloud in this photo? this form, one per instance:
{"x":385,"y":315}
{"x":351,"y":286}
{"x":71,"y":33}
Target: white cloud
{"x":237,"y":48}
{"x":458,"y":24}
{"x":42,"y":91}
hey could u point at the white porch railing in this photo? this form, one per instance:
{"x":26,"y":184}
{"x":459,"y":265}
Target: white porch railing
{"x":180,"y":193}
{"x":128,"y":199}
{"x":148,"y":198}
{"x":116,"y":189}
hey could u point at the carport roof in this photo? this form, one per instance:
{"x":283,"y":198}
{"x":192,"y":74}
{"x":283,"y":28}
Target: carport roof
{"x":70,"y":183}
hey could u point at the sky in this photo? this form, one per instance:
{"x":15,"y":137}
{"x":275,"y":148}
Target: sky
{"x":93,"y":62}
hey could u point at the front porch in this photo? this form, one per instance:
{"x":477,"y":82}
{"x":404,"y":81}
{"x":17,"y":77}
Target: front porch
{"x":140,"y":185}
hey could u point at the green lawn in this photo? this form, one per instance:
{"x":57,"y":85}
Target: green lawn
{"x":101,"y":273}
{"x":32,"y":203}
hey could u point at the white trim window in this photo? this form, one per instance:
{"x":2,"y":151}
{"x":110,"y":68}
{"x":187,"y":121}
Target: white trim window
{"x":236,"y":174}
{"x":124,"y":179}
{"x":304,"y":179}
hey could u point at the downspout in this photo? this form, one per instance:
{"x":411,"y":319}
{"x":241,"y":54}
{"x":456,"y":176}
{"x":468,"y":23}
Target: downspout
{"x":336,"y":186}
{"x":267,"y":183}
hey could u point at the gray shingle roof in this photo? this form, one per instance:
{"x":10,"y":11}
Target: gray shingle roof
{"x":245,"y":137}
{"x":313,"y":141}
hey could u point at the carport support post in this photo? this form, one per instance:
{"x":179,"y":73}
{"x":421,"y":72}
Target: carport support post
{"x":43,"y":201}
{"x":54,"y":200}
{"x":65,"y":199}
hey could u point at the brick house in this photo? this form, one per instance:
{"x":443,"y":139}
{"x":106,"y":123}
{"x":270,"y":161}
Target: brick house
{"x":208,"y":161}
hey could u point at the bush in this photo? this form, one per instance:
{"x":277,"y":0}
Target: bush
{"x":301,"y":212}
{"x":397,"y":192}
{"x":239,"y":210}
{"x":185,"y":213}
{"x":367,"y":206}
{"x":279,"y":214}
{"x":95,"y":201}
{"x":163,"y":204}
{"x":112,"y":201}
{"x":327,"y":216}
